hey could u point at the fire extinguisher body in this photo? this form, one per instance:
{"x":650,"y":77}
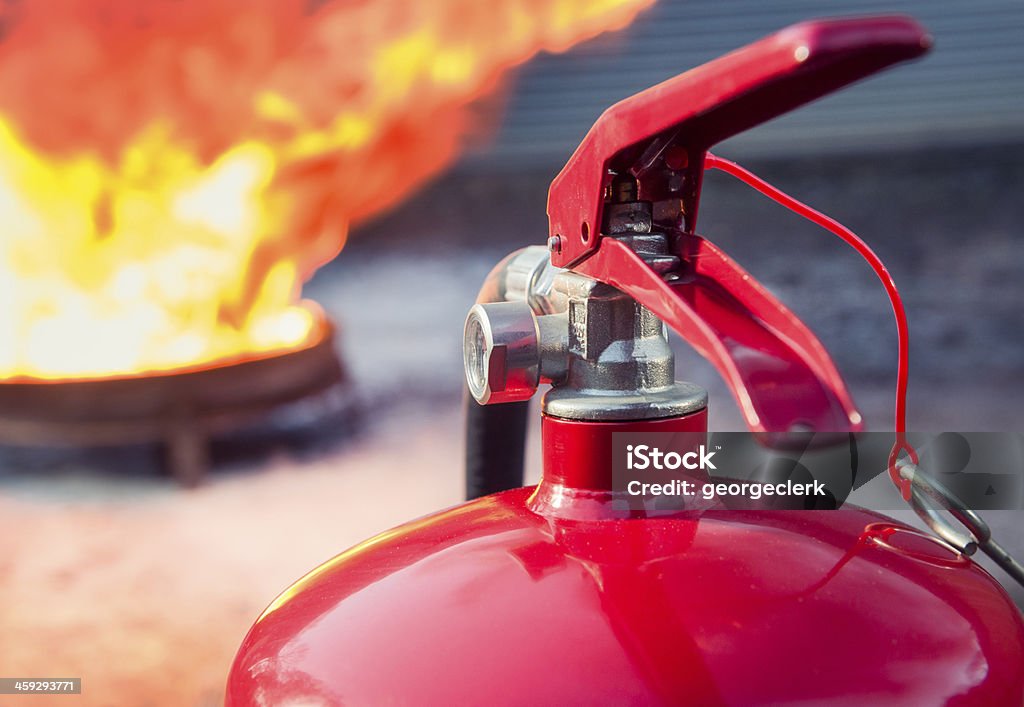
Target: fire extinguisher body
{"x":493,"y":603}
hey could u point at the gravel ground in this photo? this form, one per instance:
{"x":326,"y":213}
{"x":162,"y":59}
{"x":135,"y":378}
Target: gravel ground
{"x":110,"y":572}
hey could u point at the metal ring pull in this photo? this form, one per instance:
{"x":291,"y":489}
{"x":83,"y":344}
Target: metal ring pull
{"x":929,"y":498}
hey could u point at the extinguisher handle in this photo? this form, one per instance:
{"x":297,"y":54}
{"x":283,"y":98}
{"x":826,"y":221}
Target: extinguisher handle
{"x":671,"y":125}
{"x":650,"y":150}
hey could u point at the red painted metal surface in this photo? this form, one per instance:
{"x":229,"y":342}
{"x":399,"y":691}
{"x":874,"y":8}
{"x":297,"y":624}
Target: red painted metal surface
{"x":578,"y":454}
{"x":577,"y":479}
{"x":490,"y":603}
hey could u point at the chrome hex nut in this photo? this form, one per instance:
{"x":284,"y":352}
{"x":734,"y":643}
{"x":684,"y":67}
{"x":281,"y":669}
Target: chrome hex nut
{"x":501,"y":352}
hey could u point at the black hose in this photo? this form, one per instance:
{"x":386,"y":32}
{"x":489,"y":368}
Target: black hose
{"x":495,"y":446}
{"x":496,"y":434}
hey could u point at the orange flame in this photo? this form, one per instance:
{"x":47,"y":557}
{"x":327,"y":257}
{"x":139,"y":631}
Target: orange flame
{"x":172,"y":171}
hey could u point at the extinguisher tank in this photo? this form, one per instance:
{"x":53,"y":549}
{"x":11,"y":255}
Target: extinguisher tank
{"x":493,"y":603}
{"x":564,"y":593}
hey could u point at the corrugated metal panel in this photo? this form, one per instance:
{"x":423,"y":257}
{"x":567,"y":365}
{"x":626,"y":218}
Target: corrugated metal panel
{"x":970,"y":89}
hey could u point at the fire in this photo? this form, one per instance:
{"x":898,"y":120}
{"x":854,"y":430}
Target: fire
{"x":171,"y":172}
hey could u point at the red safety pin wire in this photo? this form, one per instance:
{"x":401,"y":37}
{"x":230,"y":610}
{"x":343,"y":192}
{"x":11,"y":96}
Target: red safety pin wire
{"x":903,"y":336}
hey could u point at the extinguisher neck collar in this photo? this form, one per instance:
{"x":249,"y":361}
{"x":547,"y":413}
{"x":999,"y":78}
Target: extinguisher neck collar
{"x":584,"y":463}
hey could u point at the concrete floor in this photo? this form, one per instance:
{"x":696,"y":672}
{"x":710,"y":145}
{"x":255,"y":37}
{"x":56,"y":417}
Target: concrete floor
{"x":145,"y":590}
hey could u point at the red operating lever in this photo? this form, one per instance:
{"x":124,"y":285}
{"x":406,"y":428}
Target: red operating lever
{"x":779,"y":372}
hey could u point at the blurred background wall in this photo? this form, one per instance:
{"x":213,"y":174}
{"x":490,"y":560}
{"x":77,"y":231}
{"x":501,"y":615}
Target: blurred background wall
{"x":969,"y":91}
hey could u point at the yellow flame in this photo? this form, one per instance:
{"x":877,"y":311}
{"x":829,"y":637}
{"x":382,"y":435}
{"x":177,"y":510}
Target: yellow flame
{"x":104,"y":271}
{"x":170,"y":175}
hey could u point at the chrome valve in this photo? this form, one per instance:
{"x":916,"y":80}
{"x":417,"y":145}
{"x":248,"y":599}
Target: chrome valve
{"x":502,"y":352}
{"x":606,"y":356}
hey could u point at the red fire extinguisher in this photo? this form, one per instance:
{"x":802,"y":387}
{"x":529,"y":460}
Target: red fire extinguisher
{"x":565,"y":593}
